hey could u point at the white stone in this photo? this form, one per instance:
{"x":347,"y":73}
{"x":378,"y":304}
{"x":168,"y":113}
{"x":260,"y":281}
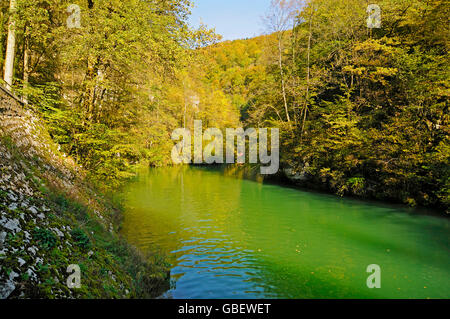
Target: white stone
{"x":12,"y":197}
{"x":2,"y":238}
{"x":11,"y":224}
{"x":6,"y":289}
{"x":33,"y":250}
{"x":33,"y":210}
{"x":13,"y":275}
{"x":21,"y":262}
{"x":58,"y":232}
{"x":31,"y":274}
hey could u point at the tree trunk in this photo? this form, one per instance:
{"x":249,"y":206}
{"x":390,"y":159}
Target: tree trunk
{"x":294,"y":69}
{"x":26,"y":71}
{"x":2,"y":36}
{"x":308,"y":74}
{"x":10,"y":48}
{"x":280,"y":64}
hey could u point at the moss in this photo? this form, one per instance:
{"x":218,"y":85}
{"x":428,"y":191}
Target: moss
{"x":45,"y":238}
{"x":3,"y":194}
{"x":109,"y":269}
{"x":81,"y":239}
{"x":111,"y":257}
{"x":7,"y":141}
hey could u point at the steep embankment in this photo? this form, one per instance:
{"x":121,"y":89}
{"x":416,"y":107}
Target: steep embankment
{"x":50,"y":219}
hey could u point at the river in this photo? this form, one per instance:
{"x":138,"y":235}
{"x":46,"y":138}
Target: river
{"x":230,"y":237}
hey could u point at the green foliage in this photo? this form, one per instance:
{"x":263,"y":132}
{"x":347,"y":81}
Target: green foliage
{"x":350,"y":102}
{"x":81,"y":239}
{"x":356,"y":184}
{"x":151,"y":277}
{"x":368,"y":108}
{"x":45,"y":237}
{"x":112,"y":91}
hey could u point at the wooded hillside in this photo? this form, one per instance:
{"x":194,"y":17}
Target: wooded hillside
{"x":363,"y":111}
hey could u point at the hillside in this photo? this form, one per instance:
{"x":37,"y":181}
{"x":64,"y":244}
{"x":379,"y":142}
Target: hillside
{"x":50,"y":219}
{"x":362,"y":112}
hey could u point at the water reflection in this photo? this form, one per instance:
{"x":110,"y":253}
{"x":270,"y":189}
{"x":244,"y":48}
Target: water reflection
{"x":228,"y":237}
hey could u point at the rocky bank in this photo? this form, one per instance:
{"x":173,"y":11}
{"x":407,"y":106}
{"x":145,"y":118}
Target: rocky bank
{"x":51,"y":218}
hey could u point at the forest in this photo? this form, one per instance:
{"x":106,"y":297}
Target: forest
{"x":361,"y":111}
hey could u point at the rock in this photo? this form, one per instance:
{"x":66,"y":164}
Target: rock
{"x":294,"y":176}
{"x":2,"y":238}
{"x":33,"y":210}
{"x":12,"y":197}
{"x":31,"y":274}
{"x":58,"y":232}
{"x":11,"y":224}
{"x":13,"y":275}
{"x":33,"y":250}
{"x":21,"y":262}
{"x":6,"y":289}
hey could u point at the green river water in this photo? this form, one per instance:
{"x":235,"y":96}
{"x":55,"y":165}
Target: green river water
{"x":229,"y":237}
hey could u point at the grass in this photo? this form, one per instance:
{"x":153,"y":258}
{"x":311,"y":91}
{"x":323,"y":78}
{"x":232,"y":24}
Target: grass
{"x":110,"y":267}
{"x":149,"y":274}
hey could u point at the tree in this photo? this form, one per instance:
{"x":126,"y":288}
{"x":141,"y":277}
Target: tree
{"x":374,"y":103}
{"x":278,"y":20}
{"x":11,"y":47}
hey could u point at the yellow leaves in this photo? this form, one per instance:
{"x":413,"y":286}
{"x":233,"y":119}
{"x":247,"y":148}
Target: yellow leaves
{"x":382,"y":71}
{"x":374,"y":52}
{"x":372,"y":60}
{"x":375,"y":46}
{"x":354,"y":70}
{"x":369,"y":45}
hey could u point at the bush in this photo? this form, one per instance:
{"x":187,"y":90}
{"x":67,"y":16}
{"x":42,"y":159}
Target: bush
{"x":81,"y":239}
{"x":45,"y":237}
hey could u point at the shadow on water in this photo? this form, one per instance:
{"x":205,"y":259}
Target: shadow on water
{"x":252,"y":173}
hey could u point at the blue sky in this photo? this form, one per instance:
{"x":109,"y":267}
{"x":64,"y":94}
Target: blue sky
{"x":234,"y":19}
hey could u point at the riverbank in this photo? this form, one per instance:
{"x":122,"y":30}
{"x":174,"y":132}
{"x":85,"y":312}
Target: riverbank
{"x":358,"y":187}
{"x":302,"y":180}
{"x":52,"y":217}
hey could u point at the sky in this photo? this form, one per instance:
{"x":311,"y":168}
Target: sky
{"x":233,"y":19}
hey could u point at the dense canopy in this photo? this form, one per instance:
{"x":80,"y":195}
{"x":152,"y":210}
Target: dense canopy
{"x":362,"y":111}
